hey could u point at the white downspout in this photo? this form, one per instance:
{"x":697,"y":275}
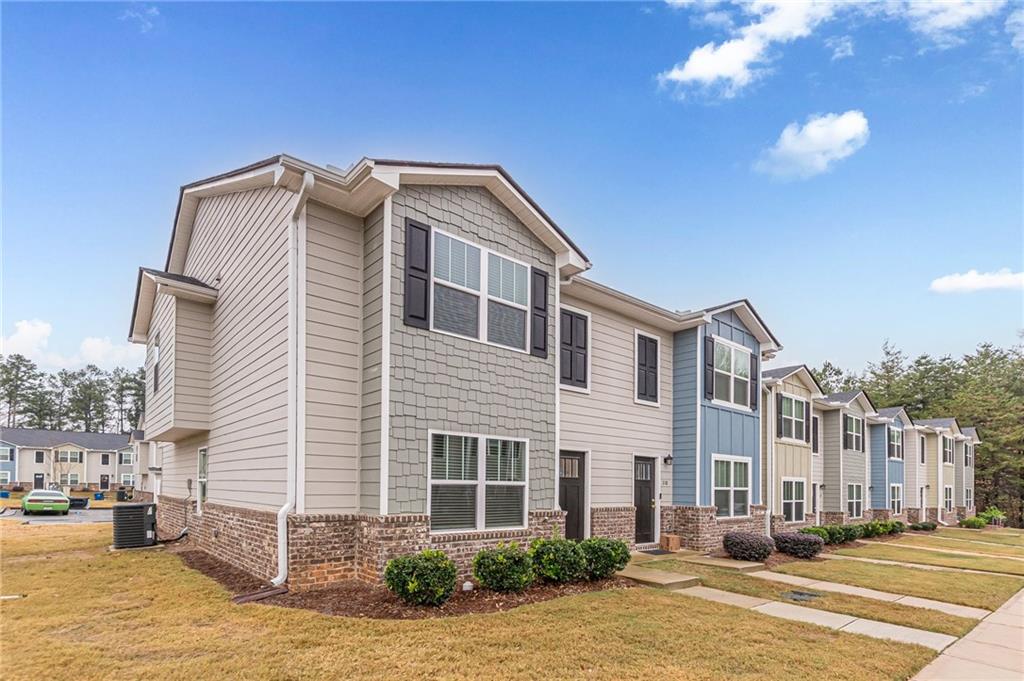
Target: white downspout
{"x":771,"y":460}
{"x":292,"y":460}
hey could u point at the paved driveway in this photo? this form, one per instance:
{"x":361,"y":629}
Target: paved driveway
{"x":100,"y":515}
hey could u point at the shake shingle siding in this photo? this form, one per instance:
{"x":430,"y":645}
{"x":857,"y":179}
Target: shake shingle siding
{"x":448,"y":383}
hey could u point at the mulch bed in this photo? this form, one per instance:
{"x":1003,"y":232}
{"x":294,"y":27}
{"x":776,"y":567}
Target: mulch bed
{"x":353,"y":598}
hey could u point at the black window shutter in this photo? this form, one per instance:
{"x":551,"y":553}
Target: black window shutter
{"x":538,"y":313}
{"x":778,"y":416}
{"x":417,"y":274}
{"x":807,"y":421}
{"x":863,"y":435}
{"x":846,"y":435}
{"x":889,"y":449}
{"x":814,"y":436}
{"x":709,"y":367}
{"x":572,"y":356}
{"x":755,"y":382}
{"x":647,"y":369}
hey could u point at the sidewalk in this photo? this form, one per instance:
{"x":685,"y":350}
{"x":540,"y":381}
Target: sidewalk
{"x":992,"y":650}
{"x":918,"y":566}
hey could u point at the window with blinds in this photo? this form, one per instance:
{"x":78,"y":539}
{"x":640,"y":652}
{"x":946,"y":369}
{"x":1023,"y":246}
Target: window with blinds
{"x":470,"y":492}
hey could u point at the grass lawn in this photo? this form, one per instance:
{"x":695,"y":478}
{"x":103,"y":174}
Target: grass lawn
{"x":993,"y":536}
{"x":954,"y":560}
{"x":958,"y":544}
{"x":142,"y":614}
{"x":894,"y":613}
{"x":979,"y":591}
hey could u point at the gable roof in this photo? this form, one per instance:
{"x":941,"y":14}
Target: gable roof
{"x":782,"y":373}
{"x":149,"y":284}
{"x":945,"y":422}
{"x":846,"y":397}
{"x":590,"y":291}
{"x":48,"y":439}
{"x":750,"y":318}
{"x":971,"y":432}
{"x":893,"y":412}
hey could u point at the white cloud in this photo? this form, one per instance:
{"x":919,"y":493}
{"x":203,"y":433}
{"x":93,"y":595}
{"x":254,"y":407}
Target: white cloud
{"x":144,"y":16}
{"x":970,"y":91}
{"x":941,"y":21}
{"x":973,"y":280}
{"x":841,"y":46}
{"x":803,"y":152}
{"x":1015,"y":27}
{"x":31,"y":338}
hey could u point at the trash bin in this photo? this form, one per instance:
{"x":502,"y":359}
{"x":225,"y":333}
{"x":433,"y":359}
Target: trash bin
{"x":122,"y":495}
{"x":98,"y":496}
{"x":4,"y":494}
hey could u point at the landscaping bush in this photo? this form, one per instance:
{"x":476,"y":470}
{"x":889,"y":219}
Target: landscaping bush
{"x":424,"y":578}
{"x":558,"y":560}
{"x":873,"y":528}
{"x":897,"y":527}
{"x":992,"y":516}
{"x":507,"y":568}
{"x":923,"y":526}
{"x":974,"y":523}
{"x":852,"y":532}
{"x":817,"y":532}
{"x":836,"y":534}
{"x":748,"y":546}
{"x":604,"y":557}
{"x":799,"y":544}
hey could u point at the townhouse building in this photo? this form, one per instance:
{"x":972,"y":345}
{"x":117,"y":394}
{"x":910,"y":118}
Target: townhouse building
{"x":846,"y":458}
{"x":888,"y":438}
{"x":39,"y":459}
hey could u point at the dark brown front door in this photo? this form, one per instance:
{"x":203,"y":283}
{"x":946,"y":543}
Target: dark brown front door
{"x":643,"y":498}
{"x":571,"y":472}
{"x":37,"y":481}
{"x":104,"y":482}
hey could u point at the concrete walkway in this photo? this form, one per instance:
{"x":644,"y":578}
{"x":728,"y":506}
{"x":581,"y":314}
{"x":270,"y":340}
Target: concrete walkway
{"x":937,"y":550}
{"x":833,"y":620}
{"x":835,"y":587}
{"x":724,"y":563}
{"x":917,"y":566}
{"x":992,"y":650}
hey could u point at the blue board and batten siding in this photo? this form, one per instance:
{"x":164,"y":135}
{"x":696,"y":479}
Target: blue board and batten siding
{"x":722,"y":430}
{"x":885,"y":471}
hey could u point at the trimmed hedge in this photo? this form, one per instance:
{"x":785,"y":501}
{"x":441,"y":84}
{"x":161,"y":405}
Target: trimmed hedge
{"x":924,"y":526}
{"x":817,"y":532}
{"x":974,"y":523}
{"x":604,"y":557}
{"x":505,"y":568}
{"x":424,"y":578}
{"x":558,"y":560}
{"x":852,"y":532}
{"x":799,"y":544}
{"x":748,"y":546}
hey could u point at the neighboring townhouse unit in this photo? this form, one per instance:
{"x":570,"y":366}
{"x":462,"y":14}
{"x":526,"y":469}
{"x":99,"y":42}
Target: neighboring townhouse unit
{"x":915,"y":471}
{"x":940,"y":438}
{"x":43,"y":458}
{"x":967,"y":508}
{"x":888,"y":439}
{"x":790,"y":441}
{"x":846,"y":459}
{"x":8,"y":462}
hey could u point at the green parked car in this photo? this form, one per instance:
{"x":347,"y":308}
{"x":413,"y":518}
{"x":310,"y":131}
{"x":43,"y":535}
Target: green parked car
{"x":41,"y":501}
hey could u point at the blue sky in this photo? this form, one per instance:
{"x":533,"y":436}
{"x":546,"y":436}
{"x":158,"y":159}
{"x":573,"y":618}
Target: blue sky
{"x":901,"y":160}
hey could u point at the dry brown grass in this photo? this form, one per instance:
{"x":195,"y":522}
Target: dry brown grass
{"x":953,"y":560}
{"x":958,"y":544}
{"x":143,"y":614}
{"x":995,"y":536}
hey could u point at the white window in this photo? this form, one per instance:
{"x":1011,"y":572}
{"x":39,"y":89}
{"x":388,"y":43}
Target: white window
{"x":895,"y":443}
{"x":968,"y":455}
{"x":69,"y":457}
{"x":855,"y":501}
{"x":473,"y":492}
{"x":459,"y":306}
{"x":126,"y":458}
{"x":202,"y":477}
{"x":968,"y":497}
{"x":896,"y":499}
{"x":731,"y":487}
{"x":40,"y":456}
{"x":128,"y":479}
{"x":5,"y":477}
{"x":732,"y":374}
{"x":922,"y":452}
{"x":947,"y":449}
{"x":793,"y":499}
{"x":69,"y":478}
{"x":853,"y":433}
{"x":6,"y":454}
{"x":793,"y":415}
{"x":947,"y":497}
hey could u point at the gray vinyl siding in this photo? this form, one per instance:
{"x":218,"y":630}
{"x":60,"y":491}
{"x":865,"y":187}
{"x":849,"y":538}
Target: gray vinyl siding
{"x":192,"y":322}
{"x":818,"y":460}
{"x":444,"y":382}
{"x":27,"y":466}
{"x":913,"y":471}
{"x":834,"y":495}
{"x":958,"y":474}
{"x":370,"y":388}
{"x":160,"y":404}
{"x":334,"y":266}
{"x":239,"y":245}
{"x":607,"y":422}
{"x":855,"y":463}
{"x":684,"y":417}
{"x":180,"y":467}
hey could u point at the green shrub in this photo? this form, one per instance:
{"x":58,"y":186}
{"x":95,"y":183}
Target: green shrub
{"x":799,"y":544}
{"x":923,"y":526}
{"x":991,"y":514}
{"x":836,"y":534}
{"x":873,"y":528}
{"x":507,"y":568}
{"x":424,"y":578}
{"x":558,"y":560}
{"x":604,"y":557}
{"x":852,"y":532}
{"x":974,"y":523}
{"x":897,"y":527}
{"x":748,"y":546}
{"x":817,"y":532}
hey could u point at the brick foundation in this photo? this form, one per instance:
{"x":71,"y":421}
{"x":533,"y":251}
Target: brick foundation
{"x":615,"y":522}
{"x":913,"y":515}
{"x":779,"y":524}
{"x":833,"y":518}
{"x":326,"y":548}
{"x":877,"y":514}
{"x":702,"y":531}
{"x":970,"y":512}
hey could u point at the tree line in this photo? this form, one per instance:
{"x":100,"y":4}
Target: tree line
{"x":984,"y":389}
{"x":89,"y":399}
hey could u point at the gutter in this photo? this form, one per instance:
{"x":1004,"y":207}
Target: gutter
{"x":292,"y":462}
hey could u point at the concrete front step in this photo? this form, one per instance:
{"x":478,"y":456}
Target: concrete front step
{"x":724,"y":563}
{"x":659,"y":579}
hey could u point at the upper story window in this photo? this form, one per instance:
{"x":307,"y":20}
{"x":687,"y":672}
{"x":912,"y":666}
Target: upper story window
{"x":922,"y":453}
{"x":853,"y":433}
{"x":40,"y":457}
{"x":968,"y":455}
{"x":646,"y":368}
{"x":815,"y":441}
{"x":732,"y":374}
{"x":947,"y":449}
{"x":126,"y":458}
{"x":792,"y":418}
{"x":69,"y":457}
{"x":895,"y":445}
{"x":574,"y":353}
{"x":6,"y":454}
